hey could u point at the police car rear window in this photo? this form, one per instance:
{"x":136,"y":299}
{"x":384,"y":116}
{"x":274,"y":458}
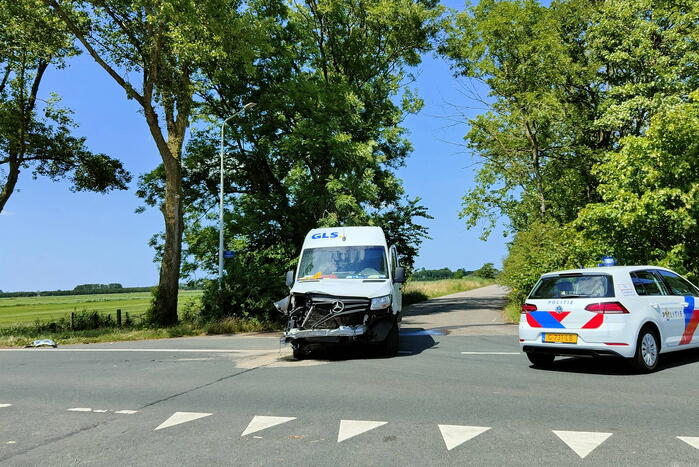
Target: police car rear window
{"x":574,"y":286}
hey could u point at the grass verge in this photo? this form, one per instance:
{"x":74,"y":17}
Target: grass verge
{"x":20,"y":336}
{"x":418,"y":291}
{"x":511,"y":313}
{"x":26,"y":310}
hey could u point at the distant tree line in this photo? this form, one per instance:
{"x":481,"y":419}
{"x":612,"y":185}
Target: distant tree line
{"x":92,"y":289}
{"x":487,"y":271}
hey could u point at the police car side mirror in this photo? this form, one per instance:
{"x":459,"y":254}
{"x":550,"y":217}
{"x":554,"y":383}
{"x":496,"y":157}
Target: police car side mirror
{"x":399,"y":275}
{"x":289,"y":278}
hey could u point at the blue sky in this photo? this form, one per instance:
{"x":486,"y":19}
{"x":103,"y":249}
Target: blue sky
{"x":52,"y":238}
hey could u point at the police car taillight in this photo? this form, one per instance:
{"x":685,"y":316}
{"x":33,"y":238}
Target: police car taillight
{"x":607,"y":308}
{"x":527,"y":307}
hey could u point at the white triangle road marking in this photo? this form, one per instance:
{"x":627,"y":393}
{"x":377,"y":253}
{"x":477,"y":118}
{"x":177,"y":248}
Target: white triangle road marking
{"x":691,"y":440}
{"x":5,"y":405}
{"x":261,"y":422}
{"x":181,"y":417}
{"x":351,"y":428}
{"x":582,"y":442}
{"x":455,"y":435}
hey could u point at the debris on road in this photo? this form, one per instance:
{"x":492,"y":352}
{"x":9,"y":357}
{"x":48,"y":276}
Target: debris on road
{"x":42,"y":343}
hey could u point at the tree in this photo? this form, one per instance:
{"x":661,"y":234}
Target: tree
{"x":40,"y":136}
{"x":566,"y":82}
{"x":320,"y":149}
{"x":487,"y":271}
{"x":649,"y":212}
{"x":574,"y":89}
{"x":154,"y":50}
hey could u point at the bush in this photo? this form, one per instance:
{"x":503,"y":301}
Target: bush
{"x":542,"y":248}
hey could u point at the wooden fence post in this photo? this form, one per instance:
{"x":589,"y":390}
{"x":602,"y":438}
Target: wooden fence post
{"x":72,"y":320}
{"x":118,"y":318}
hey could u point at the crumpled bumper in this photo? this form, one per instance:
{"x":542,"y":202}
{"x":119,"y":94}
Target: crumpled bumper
{"x":342,"y":331}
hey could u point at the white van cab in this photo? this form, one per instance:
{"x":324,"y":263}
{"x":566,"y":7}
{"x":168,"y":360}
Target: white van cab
{"x":637,"y":312}
{"x":346,"y":288}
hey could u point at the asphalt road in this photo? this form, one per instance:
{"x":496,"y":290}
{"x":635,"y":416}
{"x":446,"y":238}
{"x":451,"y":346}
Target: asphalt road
{"x":459,"y":393}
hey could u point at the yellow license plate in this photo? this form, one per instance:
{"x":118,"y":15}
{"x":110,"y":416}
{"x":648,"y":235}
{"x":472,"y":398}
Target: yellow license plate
{"x":561,"y":338}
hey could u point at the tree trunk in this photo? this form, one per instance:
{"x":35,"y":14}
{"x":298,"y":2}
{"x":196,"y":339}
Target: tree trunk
{"x":10,"y":183}
{"x":164,"y":310}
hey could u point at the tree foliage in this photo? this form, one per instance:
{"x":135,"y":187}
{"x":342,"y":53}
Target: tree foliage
{"x":650,"y":195}
{"x":320,"y":148}
{"x":156,"y":51}
{"x":38,"y":134}
{"x":569,"y":137}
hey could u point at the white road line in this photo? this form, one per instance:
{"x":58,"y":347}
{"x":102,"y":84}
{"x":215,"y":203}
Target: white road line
{"x":87,"y":409}
{"x":490,"y":353}
{"x":181,"y":417}
{"x":691,"y":440}
{"x":351,"y":428}
{"x":5,"y":405}
{"x":261,"y":422}
{"x":102,"y":349}
{"x":455,"y":435}
{"x":582,"y":442}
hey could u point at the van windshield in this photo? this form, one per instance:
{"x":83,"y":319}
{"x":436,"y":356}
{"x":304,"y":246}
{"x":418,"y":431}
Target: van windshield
{"x":574,"y":286}
{"x":346,"y":262}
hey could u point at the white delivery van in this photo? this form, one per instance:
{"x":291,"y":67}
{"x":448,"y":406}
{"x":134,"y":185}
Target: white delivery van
{"x":346,"y":288}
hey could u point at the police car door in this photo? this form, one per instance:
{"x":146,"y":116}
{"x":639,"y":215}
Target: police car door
{"x":686,"y":301}
{"x":653,"y":293}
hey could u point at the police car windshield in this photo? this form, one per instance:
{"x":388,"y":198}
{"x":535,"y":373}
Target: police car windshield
{"x":347,"y":262}
{"x":578,"y":286}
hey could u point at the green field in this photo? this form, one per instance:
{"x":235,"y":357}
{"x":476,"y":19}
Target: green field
{"x":24,"y":310}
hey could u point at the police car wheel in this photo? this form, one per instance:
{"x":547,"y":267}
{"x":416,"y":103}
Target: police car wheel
{"x":540,"y":360}
{"x":647,"y":351}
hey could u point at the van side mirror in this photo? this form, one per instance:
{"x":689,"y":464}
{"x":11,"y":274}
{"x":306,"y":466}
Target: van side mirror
{"x":399,"y":275}
{"x":289,"y":278}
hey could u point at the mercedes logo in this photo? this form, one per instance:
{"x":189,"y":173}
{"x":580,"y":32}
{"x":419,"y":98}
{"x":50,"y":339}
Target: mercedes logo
{"x":337,"y":306}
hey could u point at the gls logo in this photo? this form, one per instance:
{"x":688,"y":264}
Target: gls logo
{"x":325,"y":235}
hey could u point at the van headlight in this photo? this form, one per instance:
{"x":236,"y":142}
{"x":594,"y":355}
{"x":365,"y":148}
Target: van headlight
{"x":381,"y":303}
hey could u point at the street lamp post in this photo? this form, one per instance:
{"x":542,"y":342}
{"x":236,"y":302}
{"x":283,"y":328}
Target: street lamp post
{"x":220,"y":216}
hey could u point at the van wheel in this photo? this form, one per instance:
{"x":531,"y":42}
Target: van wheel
{"x":389,"y":347}
{"x":647,"y":351}
{"x":541,"y":360}
{"x":300,"y":352}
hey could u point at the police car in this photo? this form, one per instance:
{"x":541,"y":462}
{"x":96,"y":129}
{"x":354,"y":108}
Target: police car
{"x":636,"y":312}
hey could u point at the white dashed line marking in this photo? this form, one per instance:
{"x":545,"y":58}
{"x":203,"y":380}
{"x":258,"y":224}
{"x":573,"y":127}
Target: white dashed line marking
{"x":5,"y":405}
{"x":88,"y":409}
{"x":582,"y":442}
{"x":691,"y":440}
{"x":261,"y":422}
{"x":490,"y":353}
{"x":352,"y":428}
{"x":455,"y":435}
{"x":181,"y":417}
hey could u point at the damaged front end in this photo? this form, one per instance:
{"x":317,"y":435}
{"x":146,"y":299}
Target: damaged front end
{"x":321,"y":318}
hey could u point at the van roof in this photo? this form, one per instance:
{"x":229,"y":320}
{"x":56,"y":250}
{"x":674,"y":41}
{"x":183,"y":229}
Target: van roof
{"x":345,"y":236}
